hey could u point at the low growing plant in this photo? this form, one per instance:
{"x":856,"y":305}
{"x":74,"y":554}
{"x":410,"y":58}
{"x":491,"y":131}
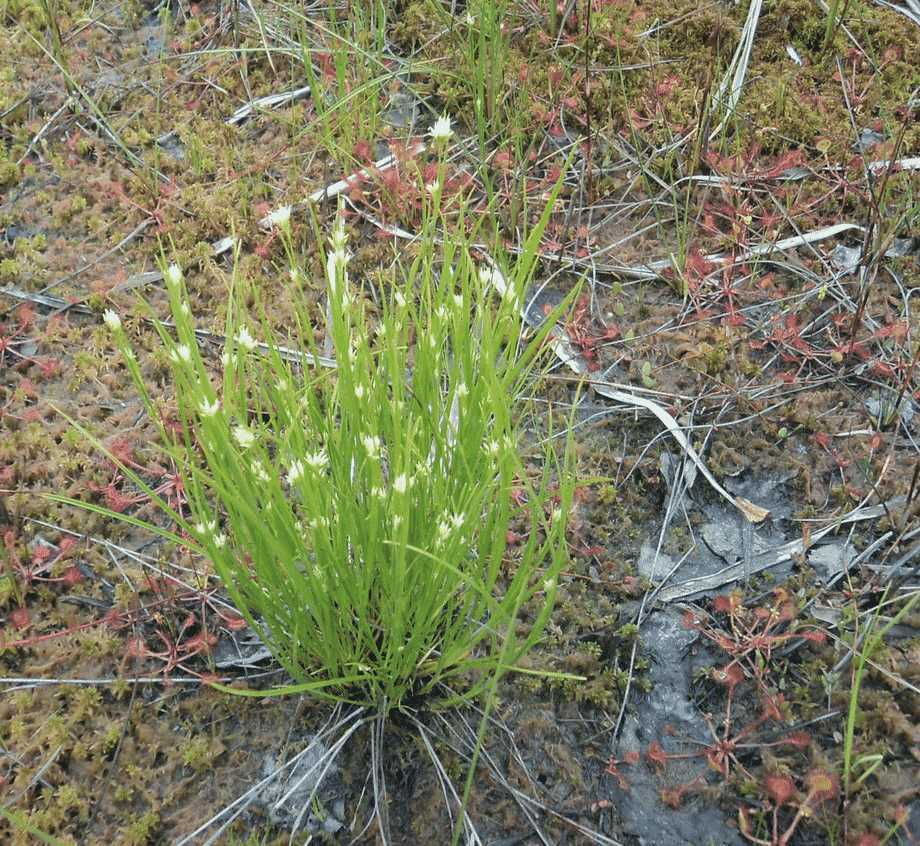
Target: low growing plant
{"x":358,"y":516}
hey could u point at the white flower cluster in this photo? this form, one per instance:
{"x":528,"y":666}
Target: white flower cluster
{"x":243,"y":436}
{"x":206,"y":528}
{"x":280,"y":216}
{"x":315,"y":461}
{"x":493,"y":447}
{"x":337,"y":258}
{"x":208,"y":532}
{"x":173,"y":275}
{"x":209,"y":408}
{"x":441,"y":130}
{"x":372,"y":446}
{"x":245,"y":339}
{"x":259,"y":471}
{"x":295,"y":472}
{"x":339,"y":239}
{"x":182,"y":354}
{"x":448,"y":525}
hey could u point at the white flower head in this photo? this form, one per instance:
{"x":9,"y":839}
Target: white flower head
{"x":441,"y":130}
{"x":173,"y":275}
{"x":462,"y":390}
{"x":243,"y":436}
{"x":338,"y":241}
{"x":378,"y":492}
{"x":336,"y":261}
{"x":371,"y":445}
{"x":317,"y":460}
{"x":219,"y":540}
{"x":245,"y":340}
{"x":490,"y":276}
{"x":433,"y":187}
{"x":111,"y":319}
{"x":181,"y":354}
{"x":258,"y":470}
{"x":205,"y":528}
{"x":493,"y":447}
{"x":400,"y":299}
{"x":339,"y":237}
{"x":280,"y":216}
{"x":451,"y":524}
{"x":226,"y":359}
{"x":295,"y":472}
{"x":359,"y":391}
{"x":209,"y":409}
{"x":400,"y":483}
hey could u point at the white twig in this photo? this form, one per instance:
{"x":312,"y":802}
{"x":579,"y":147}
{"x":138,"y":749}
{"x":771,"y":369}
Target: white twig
{"x":270,"y":101}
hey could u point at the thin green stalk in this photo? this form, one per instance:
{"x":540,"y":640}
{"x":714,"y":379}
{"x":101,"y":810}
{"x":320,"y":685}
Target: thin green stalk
{"x":871,"y":640}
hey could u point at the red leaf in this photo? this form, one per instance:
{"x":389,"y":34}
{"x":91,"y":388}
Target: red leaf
{"x":822,"y":785}
{"x":19,"y":617}
{"x":656,"y":754}
{"x":780,"y":788}
{"x":72,"y":576}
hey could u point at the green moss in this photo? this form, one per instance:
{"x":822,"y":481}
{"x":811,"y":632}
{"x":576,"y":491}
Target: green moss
{"x":198,"y":753}
{"x":9,"y":270}
{"x":110,"y":739}
{"x":142,"y":831}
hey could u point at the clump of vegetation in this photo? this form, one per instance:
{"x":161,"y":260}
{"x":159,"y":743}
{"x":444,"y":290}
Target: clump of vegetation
{"x":358,"y":517}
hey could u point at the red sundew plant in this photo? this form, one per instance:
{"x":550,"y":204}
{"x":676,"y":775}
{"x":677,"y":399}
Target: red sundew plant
{"x":191,"y":639}
{"x":23,"y":570}
{"x":584,"y":337}
{"x":402,"y":193}
{"x":782,"y":792}
{"x":172,"y":644}
{"x":751,"y":635}
{"x":750,"y":638}
{"x":170,"y":486}
{"x":16,"y":334}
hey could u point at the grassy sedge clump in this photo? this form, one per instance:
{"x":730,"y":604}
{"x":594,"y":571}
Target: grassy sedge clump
{"x":358,"y":516}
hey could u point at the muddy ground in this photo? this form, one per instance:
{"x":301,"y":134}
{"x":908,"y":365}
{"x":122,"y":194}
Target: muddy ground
{"x":750,"y":274}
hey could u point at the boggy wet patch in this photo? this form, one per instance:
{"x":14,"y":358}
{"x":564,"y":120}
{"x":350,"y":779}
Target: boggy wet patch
{"x":791,"y":372}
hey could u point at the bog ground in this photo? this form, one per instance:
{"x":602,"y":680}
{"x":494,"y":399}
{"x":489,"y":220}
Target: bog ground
{"x":733,"y":198}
